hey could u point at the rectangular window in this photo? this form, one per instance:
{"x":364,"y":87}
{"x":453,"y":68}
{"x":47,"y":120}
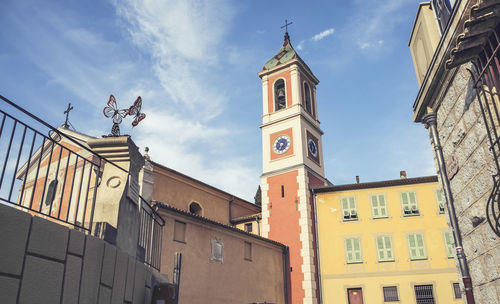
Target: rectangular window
{"x":353,"y":250}
{"x":457,"y":291}
{"x":409,"y":203}
{"x":248,"y":251}
{"x":439,"y":200}
{"x":349,"y":210}
{"x":417,"y":246}
{"x":384,"y":248}
{"x":391,"y":294}
{"x":424,"y":294}
{"x":248,"y":227}
{"x":379,"y":209}
{"x":179,"y":231}
{"x":448,"y":244}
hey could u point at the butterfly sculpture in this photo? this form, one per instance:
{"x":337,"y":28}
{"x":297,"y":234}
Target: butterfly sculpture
{"x":111,"y":111}
{"x":135,"y":110}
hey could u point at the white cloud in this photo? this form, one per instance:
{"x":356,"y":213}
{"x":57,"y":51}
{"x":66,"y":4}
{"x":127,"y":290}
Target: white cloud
{"x":300,"y":46}
{"x":182,"y":38}
{"x":374,"y":20}
{"x":323,"y":34}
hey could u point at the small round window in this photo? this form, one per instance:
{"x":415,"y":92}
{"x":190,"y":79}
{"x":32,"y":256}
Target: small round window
{"x":195,"y":208}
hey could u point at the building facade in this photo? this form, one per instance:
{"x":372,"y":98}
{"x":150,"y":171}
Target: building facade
{"x":385,"y":241}
{"x":292,"y":163}
{"x":458,"y":104}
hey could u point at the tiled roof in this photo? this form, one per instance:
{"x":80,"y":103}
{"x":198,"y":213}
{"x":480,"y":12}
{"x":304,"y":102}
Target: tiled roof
{"x":205,"y":184}
{"x":379,"y":184}
{"x":246,"y":218}
{"x":285,"y":54}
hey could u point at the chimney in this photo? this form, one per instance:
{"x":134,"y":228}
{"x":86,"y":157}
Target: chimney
{"x":357,"y":179}
{"x":402,"y":174}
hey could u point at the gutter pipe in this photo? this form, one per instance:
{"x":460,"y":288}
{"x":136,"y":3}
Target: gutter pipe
{"x":430,"y":123}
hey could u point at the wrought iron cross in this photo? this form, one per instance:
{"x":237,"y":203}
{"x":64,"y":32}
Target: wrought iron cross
{"x":286,"y":25}
{"x":67,"y":114}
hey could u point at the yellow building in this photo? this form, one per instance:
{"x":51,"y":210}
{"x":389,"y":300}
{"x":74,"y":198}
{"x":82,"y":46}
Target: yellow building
{"x":385,"y":241}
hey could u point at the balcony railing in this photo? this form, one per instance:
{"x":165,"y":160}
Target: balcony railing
{"x":150,"y":234}
{"x":44,"y":171}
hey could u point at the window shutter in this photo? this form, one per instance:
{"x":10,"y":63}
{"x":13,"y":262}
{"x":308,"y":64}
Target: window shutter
{"x":384,"y":246}
{"x":448,"y":244}
{"x":381,"y":201}
{"x":404,"y":199}
{"x":375,"y":206}
{"x":348,"y":249}
{"x":353,"y":250}
{"x":417,"y":246}
{"x":352,"y":206}
{"x":345,"y":205}
{"x":413,"y":199}
{"x":380,"y":244}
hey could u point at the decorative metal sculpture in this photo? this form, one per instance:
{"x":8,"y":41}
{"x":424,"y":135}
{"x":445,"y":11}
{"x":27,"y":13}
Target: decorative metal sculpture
{"x":112,"y":111}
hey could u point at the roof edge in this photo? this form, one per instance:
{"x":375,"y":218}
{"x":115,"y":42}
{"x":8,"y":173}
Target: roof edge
{"x":378,"y":184}
{"x":207,"y":220}
{"x":203,"y":183}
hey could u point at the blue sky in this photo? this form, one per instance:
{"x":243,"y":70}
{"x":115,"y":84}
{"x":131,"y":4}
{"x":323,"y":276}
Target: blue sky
{"x":195,"y":64}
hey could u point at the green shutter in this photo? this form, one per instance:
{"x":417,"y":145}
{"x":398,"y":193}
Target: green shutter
{"x":448,"y":244}
{"x":409,"y":204}
{"x":439,"y":200}
{"x":353,"y":250}
{"x":384,"y":248}
{"x":417,"y":247}
{"x":382,"y":207}
{"x":375,"y":206}
{"x":378,"y":206}
{"x":349,"y":211}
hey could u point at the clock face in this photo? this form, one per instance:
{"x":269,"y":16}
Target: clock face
{"x":281,"y":144}
{"x":313,"y":149}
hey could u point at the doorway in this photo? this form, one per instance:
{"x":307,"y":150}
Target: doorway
{"x":355,"y":295}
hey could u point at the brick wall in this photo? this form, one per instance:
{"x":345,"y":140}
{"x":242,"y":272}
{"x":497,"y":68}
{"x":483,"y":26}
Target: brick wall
{"x":462,"y":132}
{"x":44,"y":262}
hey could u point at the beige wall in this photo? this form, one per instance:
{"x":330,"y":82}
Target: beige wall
{"x":177,"y":190}
{"x":424,"y":40}
{"x":236,"y":280}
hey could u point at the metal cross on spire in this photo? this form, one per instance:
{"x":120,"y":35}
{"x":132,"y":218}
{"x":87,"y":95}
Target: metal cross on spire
{"x":286,"y":25}
{"x":67,"y":115}
{"x":287,"y":37}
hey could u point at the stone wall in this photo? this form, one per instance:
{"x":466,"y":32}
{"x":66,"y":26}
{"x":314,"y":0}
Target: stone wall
{"x":462,"y":133}
{"x":45,"y":262}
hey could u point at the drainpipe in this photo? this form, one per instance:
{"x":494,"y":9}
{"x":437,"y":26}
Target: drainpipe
{"x":429,"y":121}
{"x":229,"y":210}
{"x":318,"y":268}
{"x":257,"y":218}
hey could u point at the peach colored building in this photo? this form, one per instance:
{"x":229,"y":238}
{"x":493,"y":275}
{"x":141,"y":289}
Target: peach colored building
{"x":224,"y":260}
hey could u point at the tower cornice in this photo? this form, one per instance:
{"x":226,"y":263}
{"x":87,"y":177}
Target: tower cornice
{"x":296,"y":61}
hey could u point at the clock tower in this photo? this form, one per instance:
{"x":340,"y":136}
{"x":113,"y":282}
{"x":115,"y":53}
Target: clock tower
{"x":292,"y":163}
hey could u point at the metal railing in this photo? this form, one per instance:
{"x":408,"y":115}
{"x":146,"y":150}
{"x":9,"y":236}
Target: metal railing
{"x":486,"y":76}
{"x":150,"y":233}
{"x":51,"y":175}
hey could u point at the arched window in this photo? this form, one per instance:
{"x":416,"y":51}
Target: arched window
{"x":51,"y":193}
{"x":279,"y":95}
{"x":307,"y":93}
{"x":195,"y":208}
